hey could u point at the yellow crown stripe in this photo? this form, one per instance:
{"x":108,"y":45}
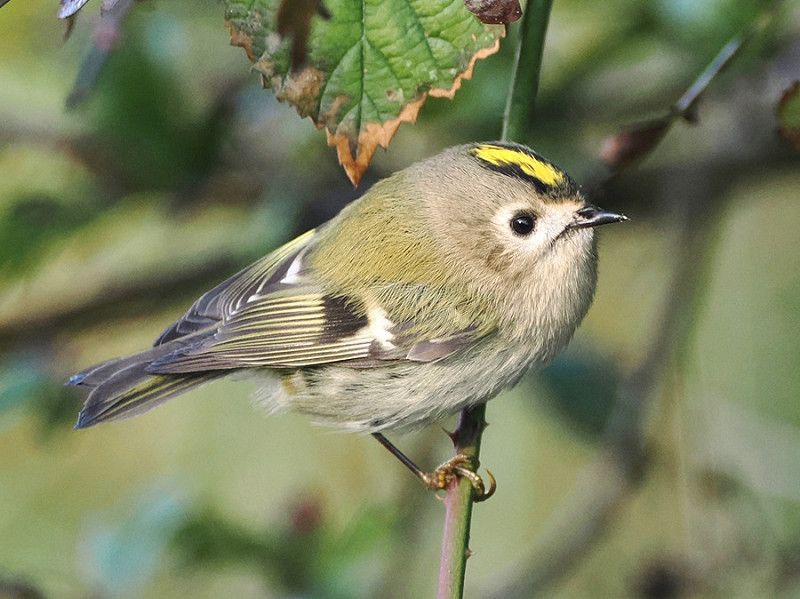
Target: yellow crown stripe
{"x":530,"y":165}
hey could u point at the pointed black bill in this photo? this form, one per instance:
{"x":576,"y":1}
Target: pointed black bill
{"x":592,"y":216}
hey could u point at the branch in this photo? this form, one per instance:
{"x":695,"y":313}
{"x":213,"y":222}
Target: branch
{"x":107,"y":32}
{"x":527,"y":68}
{"x":458,"y":506}
{"x":629,"y":147}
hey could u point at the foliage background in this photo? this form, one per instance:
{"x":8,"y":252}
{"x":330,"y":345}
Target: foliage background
{"x":178,"y":170}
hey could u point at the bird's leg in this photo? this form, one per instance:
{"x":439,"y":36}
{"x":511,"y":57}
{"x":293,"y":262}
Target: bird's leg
{"x":458,"y":465}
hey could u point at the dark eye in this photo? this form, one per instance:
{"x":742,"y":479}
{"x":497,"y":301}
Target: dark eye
{"x":522,"y":224}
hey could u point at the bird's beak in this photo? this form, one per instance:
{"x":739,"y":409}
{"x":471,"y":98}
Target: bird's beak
{"x":592,"y":216}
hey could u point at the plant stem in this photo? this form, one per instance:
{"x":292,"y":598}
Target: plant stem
{"x":458,"y":506}
{"x":527,"y":68}
{"x":467,"y":437}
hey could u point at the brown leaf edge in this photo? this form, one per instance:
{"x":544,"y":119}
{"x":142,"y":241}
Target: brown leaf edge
{"x":241,"y":40}
{"x":356,"y":155}
{"x":789,"y":134}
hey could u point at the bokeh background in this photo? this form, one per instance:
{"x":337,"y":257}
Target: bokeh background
{"x":659,"y":457}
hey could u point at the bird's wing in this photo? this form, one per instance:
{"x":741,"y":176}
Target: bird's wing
{"x":275,"y":314}
{"x":303,"y":326}
{"x":230,"y":295}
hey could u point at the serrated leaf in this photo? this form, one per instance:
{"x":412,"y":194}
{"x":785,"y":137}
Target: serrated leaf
{"x":789,"y":115}
{"x":369,"y":67}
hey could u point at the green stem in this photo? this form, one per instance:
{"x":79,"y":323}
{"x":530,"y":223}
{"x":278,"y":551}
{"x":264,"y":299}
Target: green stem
{"x":458,"y":507}
{"x":467,"y":438}
{"x":527,"y":68}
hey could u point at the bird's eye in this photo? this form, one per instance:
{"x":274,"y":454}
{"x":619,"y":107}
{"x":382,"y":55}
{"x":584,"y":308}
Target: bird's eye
{"x":522,"y":224}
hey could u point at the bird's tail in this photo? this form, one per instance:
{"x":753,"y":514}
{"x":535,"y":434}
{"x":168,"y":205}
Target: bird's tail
{"x":122,"y":388}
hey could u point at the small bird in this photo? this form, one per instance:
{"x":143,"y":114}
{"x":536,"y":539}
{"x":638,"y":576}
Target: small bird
{"x":438,"y":288}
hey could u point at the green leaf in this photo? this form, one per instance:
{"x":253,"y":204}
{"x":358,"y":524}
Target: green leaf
{"x":369,"y":67}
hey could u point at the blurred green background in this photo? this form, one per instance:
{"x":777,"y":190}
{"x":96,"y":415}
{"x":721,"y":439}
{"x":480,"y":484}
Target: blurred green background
{"x":659,"y":457}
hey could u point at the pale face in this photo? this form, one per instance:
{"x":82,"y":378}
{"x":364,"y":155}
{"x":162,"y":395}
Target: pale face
{"x":530,"y":230}
{"x":512,"y":241}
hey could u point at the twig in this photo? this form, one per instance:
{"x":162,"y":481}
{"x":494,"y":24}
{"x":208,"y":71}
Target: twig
{"x":527,"y":68}
{"x":458,"y":506}
{"x":629,"y":147}
{"x":687,"y":103}
{"x":106,"y":34}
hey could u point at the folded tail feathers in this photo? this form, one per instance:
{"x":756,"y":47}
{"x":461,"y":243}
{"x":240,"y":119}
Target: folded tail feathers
{"x":121,"y":388}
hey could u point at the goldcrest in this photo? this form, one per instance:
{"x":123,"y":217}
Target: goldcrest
{"x":436,"y":290}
